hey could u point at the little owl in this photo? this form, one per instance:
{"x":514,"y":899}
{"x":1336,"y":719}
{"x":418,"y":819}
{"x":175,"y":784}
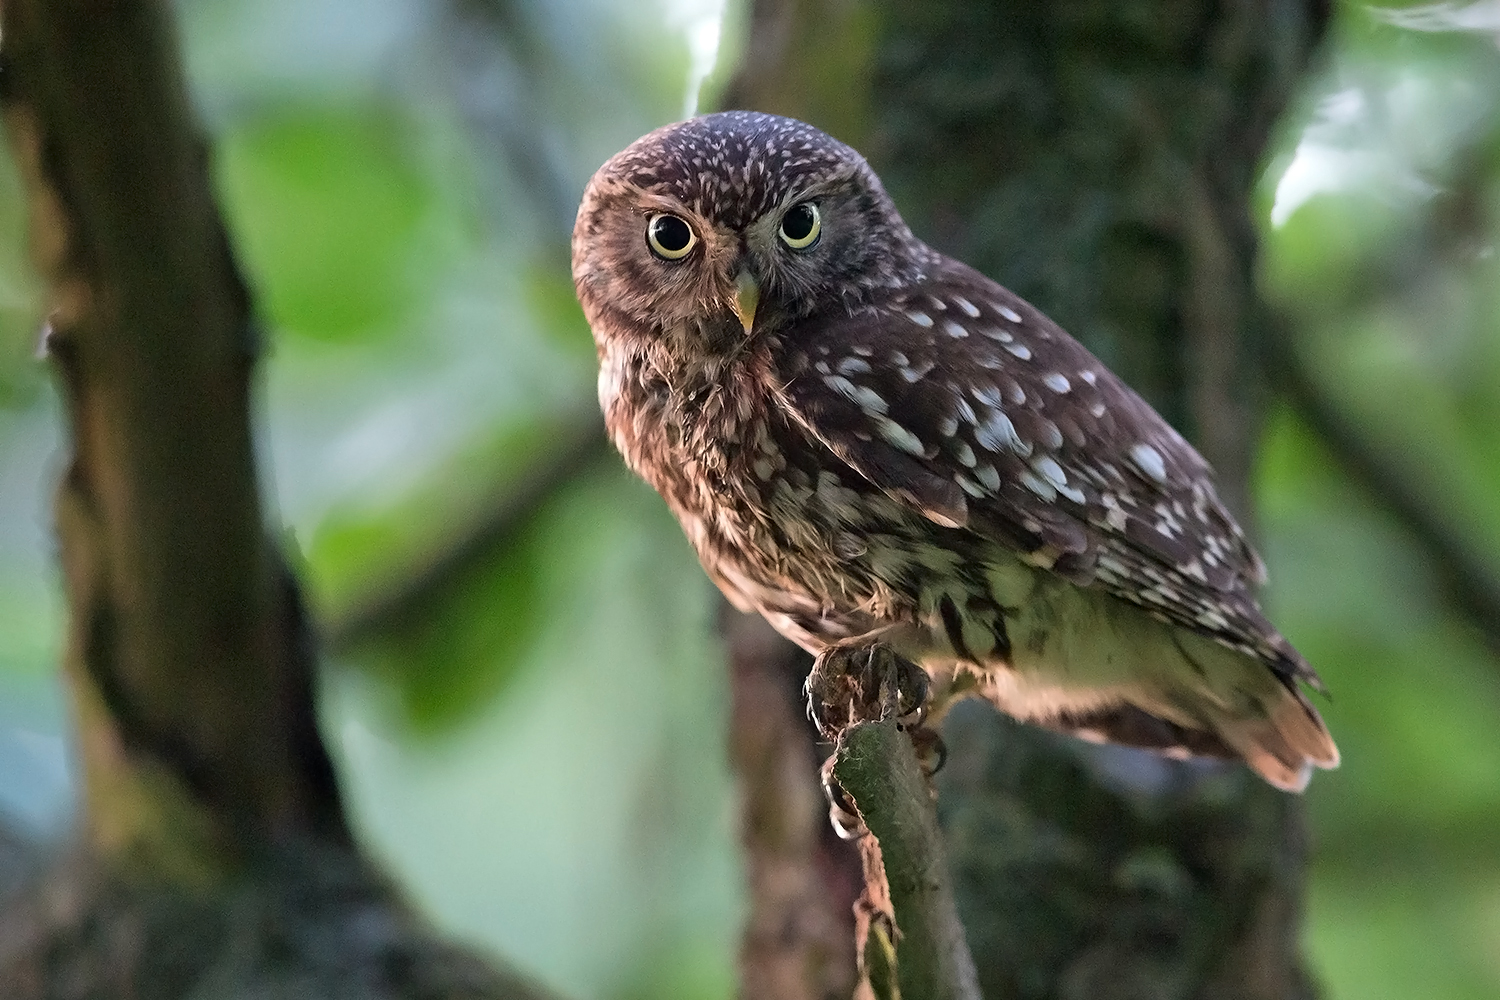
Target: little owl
{"x":881,"y":450}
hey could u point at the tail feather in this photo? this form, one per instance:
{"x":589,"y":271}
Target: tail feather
{"x":1226,"y":704}
{"x":1284,"y":744}
{"x":1095,"y":667}
{"x":1256,"y":711}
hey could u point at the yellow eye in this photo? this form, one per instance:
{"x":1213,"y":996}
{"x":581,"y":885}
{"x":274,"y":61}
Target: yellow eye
{"x":801,"y":226}
{"x":670,"y":237}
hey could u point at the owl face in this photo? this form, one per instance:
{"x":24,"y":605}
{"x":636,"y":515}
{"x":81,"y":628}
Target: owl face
{"x":717,"y":229}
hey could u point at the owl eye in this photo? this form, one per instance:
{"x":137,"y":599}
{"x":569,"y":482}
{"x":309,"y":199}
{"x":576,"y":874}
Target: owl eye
{"x":670,"y":237}
{"x":801,"y":226}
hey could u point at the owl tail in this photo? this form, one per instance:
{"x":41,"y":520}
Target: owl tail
{"x":1264,"y":720}
{"x":1284,"y":744}
{"x":1234,"y":706}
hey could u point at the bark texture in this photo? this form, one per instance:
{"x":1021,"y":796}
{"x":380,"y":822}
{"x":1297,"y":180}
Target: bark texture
{"x":214,"y":859}
{"x":1097,"y":158}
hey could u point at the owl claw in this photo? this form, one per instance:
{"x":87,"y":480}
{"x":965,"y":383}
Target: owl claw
{"x":843,"y":815}
{"x":932,"y":752}
{"x":851,"y":684}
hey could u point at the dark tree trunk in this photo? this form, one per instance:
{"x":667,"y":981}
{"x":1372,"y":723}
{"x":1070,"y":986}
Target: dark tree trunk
{"x":1097,"y":158}
{"x":214,"y":859}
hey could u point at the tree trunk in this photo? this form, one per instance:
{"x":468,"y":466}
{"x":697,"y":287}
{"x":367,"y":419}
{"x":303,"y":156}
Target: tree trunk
{"x":214,"y":859}
{"x":1098,"y":159}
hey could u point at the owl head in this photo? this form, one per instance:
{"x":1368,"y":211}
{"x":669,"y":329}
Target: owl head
{"x":727,"y":225}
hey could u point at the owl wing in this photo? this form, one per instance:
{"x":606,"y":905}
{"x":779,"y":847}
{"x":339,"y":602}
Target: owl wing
{"x":966,"y":403}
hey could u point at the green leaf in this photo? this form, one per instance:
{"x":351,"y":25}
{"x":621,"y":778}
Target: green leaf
{"x":327,"y":205}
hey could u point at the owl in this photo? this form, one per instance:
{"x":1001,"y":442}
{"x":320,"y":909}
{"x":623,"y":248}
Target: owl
{"x":877,"y":447}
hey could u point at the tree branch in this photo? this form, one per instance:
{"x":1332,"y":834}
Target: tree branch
{"x":575,"y":450}
{"x":909,"y":892}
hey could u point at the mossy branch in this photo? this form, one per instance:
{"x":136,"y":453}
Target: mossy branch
{"x":908,"y":898}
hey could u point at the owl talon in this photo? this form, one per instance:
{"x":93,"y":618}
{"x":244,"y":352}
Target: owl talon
{"x":932,"y":752}
{"x":843,"y":816}
{"x":914,"y":689}
{"x":850,"y":684}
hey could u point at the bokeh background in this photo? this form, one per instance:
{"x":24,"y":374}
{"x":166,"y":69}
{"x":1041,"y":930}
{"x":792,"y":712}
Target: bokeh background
{"x":525,"y":692}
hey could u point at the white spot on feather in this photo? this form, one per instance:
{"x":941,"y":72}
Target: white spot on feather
{"x":997,"y":434}
{"x":918,"y":371}
{"x":1149,"y":461}
{"x":866,"y":398}
{"x":1019,"y":350}
{"x":1212,"y":618}
{"x":1058,"y":382}
{"x":899,"y":436}
{"x":1039,"y":486}
{"x":988,"y":395}
{"x":920,"y":318}
{"x":1048,"y":467}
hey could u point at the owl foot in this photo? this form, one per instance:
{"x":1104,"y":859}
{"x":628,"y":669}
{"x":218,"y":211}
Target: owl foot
{"x":870,"y":684}
{"x":932,"y":752}
{"x":843,"y":816}
{"x":851,"y":684}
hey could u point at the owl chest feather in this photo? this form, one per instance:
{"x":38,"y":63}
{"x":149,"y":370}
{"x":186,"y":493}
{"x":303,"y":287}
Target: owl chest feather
{"x":776,"y":519}
{"x":782,"y":524}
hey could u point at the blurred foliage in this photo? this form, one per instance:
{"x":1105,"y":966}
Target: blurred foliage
{"x":1382,"y":218}
{"x":327,"y":198}
{"x":534,"y":741}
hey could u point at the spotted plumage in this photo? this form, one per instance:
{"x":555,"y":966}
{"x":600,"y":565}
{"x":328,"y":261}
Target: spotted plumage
{"x":867,"y":441}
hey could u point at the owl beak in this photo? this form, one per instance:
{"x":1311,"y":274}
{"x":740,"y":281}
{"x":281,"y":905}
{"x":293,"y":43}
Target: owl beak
{"x":746,"y":298}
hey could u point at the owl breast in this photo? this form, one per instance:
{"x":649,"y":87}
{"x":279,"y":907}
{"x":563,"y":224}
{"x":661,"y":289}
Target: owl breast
{"x":786,"y":528}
